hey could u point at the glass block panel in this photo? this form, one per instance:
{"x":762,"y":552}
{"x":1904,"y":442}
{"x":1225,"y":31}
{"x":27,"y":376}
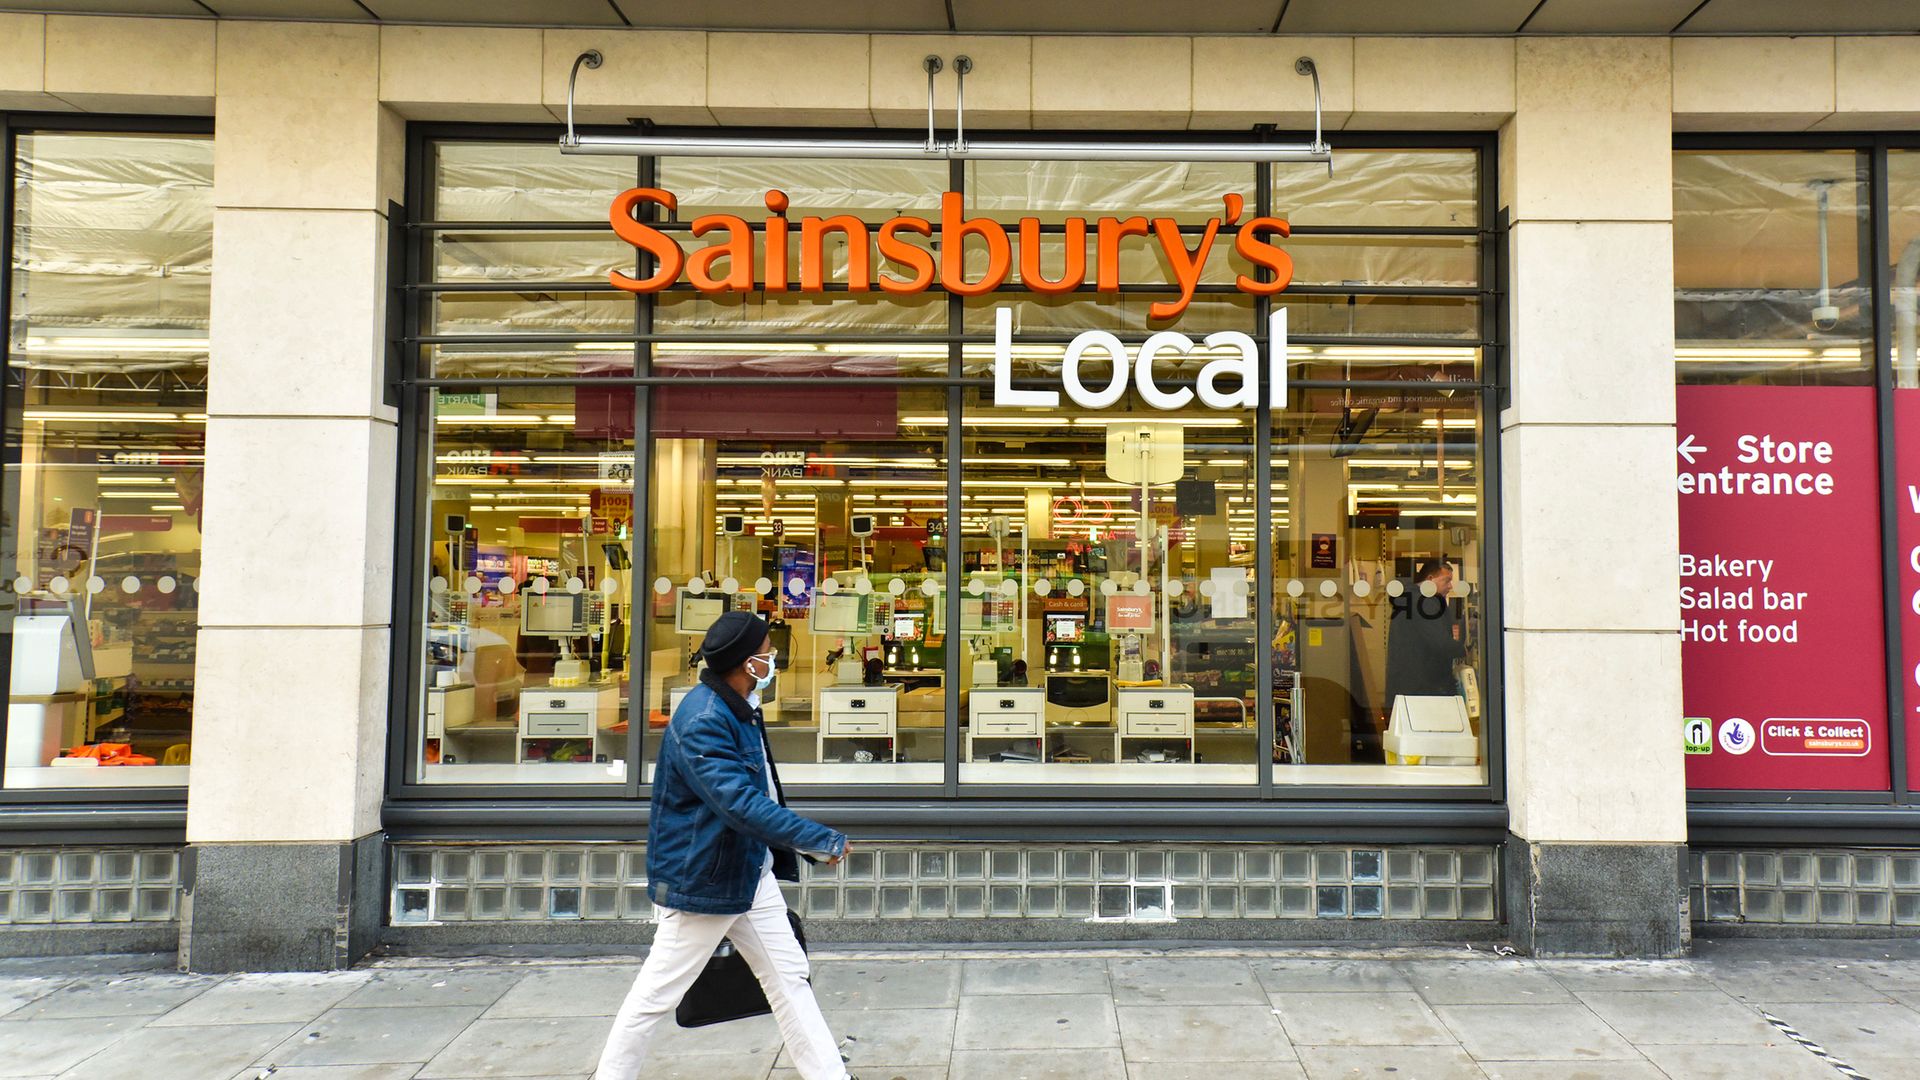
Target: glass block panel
{"x":493,"y":867}
{"x":1438,"y":866}
{"x":790,"y":894}
{"x":78,"y":867}
{"x":969,"y":902}
{"x":154,"y":904}
{"x":933,"y":867}
{"x":1003,"y":901}
{"x":896,"y":901}
{"x":1871,"y":908}
{"x":1259,"y":902}
{"x":1150,"y":902}
{"x":1696,"y":904}
{"x":1369,"y":902}
{"x":530,"y":866}
{"x":1330,"y":901}
{"x":1150,"y":865}
{"x":1115,"y":866}
{"x":527,"y":902}
{"x":1796,"y":906}
{"x":603,"y":901}
{"x":1403,"y":902}
{"x":1760,"y":905}
{"x":1076,"y":865}
{"x":118,"y":867}
{"x":159,"y":866}
{"x":39,"y":869}
{"x":1223,"y":902}
{"x":1043,"y":865}
{"x":1329,"y":865}
{"x":1189,"y":902}
{"x":1223,"y":866}
{"x":603,"y":867}
{"x":1442,"y":903}
{"x":1696,"y":868}
{"x":1403,"y":866}
{"x":1256,"y":865}
{"x":1835,"y":907}
{"x":1870,"y":871}
{"x":7,"y":863}
{"x":1476,"y":903}
{"x":1830,"y":870}
{"x":1366,"y":866}
{"x":1296,"y":902}
{"x":1906,"y":908}
{"x":1076,"y":901}
{"x":74,"y":905}
{"x":454,"y":866}
{"x":412,"y":905}
{"x":972,"y":865}
{"x":1296,"y":866}
{"x":1723,"y":868}
{"x":860,"y":866}
{"x":450,"y":903}
{"x":637,"y":863}
{"x":1906,"y":872}
{"x":415,"y":867}
{"x":1476,"y":867}
{"x":1186,"y":867}
{"x":822,"y":901}
{"x":1005,"y":866}
{"x":564,"y":902}
{"x":1116,"y":901}
{"x":567,"y":865}
{"x":858,"y":901}
{"x":115,"y":905}
{"x":1043,"y":901}
{"x":896,"y":866}
{"x":1796,"y":869}
{"x":636,"y":903}
{"x":33,"y":905}
{"x":6,"y":906}
{"x":1723,"y":904}
{"x":1759,"y":868}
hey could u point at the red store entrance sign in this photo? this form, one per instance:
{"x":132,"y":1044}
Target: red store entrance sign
{"x":1783,"y":650}
{"x":1906,"y":499}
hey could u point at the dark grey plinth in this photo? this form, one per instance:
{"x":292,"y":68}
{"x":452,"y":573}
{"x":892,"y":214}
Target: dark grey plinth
{"x":280,"y":907}
{"x":1596,"y":899}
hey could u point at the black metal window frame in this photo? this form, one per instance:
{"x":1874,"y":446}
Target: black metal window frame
{"x":414,"y":807}
{"x":1838,"y":816}
{"x":71,"y":815}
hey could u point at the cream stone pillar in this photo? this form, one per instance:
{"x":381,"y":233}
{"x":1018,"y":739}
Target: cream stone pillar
{"x":1594,"y":769}
{"x":283,"y":814}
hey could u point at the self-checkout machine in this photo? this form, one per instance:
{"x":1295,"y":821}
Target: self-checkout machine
{"x":46,"y":693}
{"x":573,"y":707}
{"x":997,"y":607}
{"x":854,"y":713}
{"x":1147,"y":455}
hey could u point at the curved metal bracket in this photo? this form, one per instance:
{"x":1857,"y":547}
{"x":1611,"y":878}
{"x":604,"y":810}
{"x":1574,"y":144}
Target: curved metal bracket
{"x":592,"y":59}
{"x":933,"y":64}
{"x":961,"y":66}
{"x":1305,"y":66}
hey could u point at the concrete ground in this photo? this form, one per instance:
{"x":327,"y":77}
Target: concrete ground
{"x":1732,"y":1011}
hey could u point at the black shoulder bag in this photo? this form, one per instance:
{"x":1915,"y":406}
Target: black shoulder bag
{"x":727,"y":990}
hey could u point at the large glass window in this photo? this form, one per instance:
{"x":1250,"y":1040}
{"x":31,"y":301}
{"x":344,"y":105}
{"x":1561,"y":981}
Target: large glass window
{"x":966,"y":597}
{"x":105,"y":395}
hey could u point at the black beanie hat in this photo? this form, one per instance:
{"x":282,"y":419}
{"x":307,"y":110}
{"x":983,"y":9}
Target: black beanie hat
{"x":731,"y":639}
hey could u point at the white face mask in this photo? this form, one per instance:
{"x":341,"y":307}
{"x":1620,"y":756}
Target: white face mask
{"x":760,"y":682}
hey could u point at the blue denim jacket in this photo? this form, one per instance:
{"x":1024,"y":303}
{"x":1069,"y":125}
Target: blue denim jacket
{"x":712,"y":821}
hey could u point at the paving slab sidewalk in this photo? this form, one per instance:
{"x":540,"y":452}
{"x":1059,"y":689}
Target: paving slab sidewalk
{"x":1737,"y":1010}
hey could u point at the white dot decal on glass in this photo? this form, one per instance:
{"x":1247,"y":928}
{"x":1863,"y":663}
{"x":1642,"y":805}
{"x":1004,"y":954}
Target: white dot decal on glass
{"x":576,"y":586}
{"x":730,"y":585}
{"x":1009,"y":588}
{"x":165,"y":584}
{"x":898,"y":586}
{"x":1176,"y":587}
{"x":507,"y":586}
{"x":1239,"y":588}
{"x":128,"y":585}
{"x":1206,"y":587}
{"x":96,"y":584}
{"x":1329,"y":588}
{"x":58,"y":586}
{"x":1428,"y":588}
{"x":1464,"y":588}
{"x":22,"y":584}
{"x":831,"y":587}
{"x":863,"y":586}
{"x":610,"y":585}
{"x":473,"y":585}
{"x":797,"y":586}
{"x":1142,"y":587}
{"x":1042,"y":587}
{"x":1296,"y":588}
{"x":196,"y":584}
{"x":930,"y":587}
{"x":540,"y":585}
{"x":696,"y":586}
{"x":977,"y":586}
{"x":1108,"y":588}
{"x":763,"y":586}
{"x":662,"y":586}
{"x":1076,"y":587}
{"x":1363,"y":587}
{"x":438,"y":585}
{"x":1396,"y":587}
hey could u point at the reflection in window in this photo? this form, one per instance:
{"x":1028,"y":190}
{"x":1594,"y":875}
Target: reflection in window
{"x":106,"y":369}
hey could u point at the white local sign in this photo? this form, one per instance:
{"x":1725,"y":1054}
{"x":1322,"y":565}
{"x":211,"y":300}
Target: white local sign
{"x":1242,"y":364}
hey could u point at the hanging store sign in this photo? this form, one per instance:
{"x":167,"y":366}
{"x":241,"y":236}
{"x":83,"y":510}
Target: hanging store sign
{"x":736,"y":263}
{"x":1782,"y":644}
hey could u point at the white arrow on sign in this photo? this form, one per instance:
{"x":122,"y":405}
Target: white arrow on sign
{"x":1688,"y":449}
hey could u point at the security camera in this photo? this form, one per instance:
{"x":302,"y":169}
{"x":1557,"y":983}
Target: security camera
{"x":1826,"y":318}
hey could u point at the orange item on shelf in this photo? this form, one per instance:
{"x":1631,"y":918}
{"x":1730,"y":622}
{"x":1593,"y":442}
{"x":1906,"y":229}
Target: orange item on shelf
{"x":110,"y":753}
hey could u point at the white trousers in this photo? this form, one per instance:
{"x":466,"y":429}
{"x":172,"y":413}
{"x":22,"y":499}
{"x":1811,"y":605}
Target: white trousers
{"x":682,"y":946}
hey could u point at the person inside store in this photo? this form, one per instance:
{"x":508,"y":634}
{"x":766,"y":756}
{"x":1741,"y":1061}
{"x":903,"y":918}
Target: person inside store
{"x":1423,"y":636}
{"x":719,"y":842}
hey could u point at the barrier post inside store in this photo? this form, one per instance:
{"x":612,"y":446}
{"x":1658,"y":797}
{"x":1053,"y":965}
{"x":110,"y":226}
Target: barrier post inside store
{"x":1595,"y":781}
{"x":284,"y":859}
